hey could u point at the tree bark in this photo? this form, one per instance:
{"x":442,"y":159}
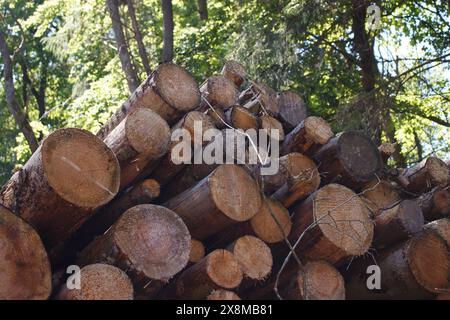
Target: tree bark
{"x":167,"y":54}
{"x":292,"y":110}
{"x":202,"y":9}
{"x":431,"y":172}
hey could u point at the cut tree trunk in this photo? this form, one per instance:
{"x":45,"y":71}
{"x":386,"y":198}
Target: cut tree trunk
{"x":150,"y":243}
{"x":222,"y":295}
{"x":25,"y":270}
{"x":217,"y":116}
{"x":218,"y":270}
{"x":170,"y":91}
{"x":318,"y":280}
{"x":270,"y":123}
{"x":259,"y":98}
{"x":100,"y":282}
{"x":386,"y":151}
{"x":167,"y":11}
{"x":234,"y":71}
{"x":431,"y":172}
{"x":240,"y":118}
{"x":380,"y":195}
{"x":227,"y":196}
{"x":197,"y":251}
{"x":350,"y":159}
{"x":292,"y":110}
{"x":218,"y":91}
{"x":333,"y":224}
{"x":442,"y":228}
{"x":67,"y":178}
{"x":138,"y":142}
{"x":435,"y":204}
{"x":307,"y":137}
{"x":397,"y":223}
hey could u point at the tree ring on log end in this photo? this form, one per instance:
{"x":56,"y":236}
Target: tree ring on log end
{"x":318,"y":130}
{"x":221,"y":92}
{"x":437,"y":171}
{"x":223,"y":269}
{"x":253,"y":256}
{"x":80,"y":168}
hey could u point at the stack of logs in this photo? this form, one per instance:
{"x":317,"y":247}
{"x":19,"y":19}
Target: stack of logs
{"x":142,"y":225}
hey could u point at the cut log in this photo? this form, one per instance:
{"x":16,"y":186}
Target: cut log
{"x":386,"y":151}
{"x":70,"y":175}
{"x":292,"y":110}
{"x":318,"y":280}
{"x":350,"y":159}
{"x":442,"y":228}
{"x":235,"y":72}
{"x":170,"y":92}
{"x":100,"y":282}
{"x":142,"y":137}
{"x":218,"y":270}
{"x":253,"y":257}
{"x":270,"y":123}
{"x":221,"y":294}
{"x":218,"y":91}
{"x":415,"y":269}
{"x":334,"y":224}
{"x":431,"y":172}
{"x":435,"y":204}
{"x":24,"y":267}
{"x":150,"y":243}
{"x":240,"y":118}
{"x":227,"y":196}
{"x":218,"y":117}
{"x":307,"y":137}
{"x":259,"y":98}
{"x":380,"y":195}
{"x":397,"y":223}
{"x":197,"y":251}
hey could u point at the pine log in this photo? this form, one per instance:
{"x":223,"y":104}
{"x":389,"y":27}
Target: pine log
{"x":218,"y":270}
{"x":218,"y":91}
{"x":227,"y":196}
{"x":235,"y":72}
{"x":415,"y":269}
{"x":350,"y":159}
{"x":379,"y":195}
{"x":70,"y":175}
{"x":221,"y":294}
{"x":24,"y":267}
{"x":339,"y":225}
{"x":241,"y":118}
{"x":397,"y":223}
{"x":442,"y":228}
{"x":142,"y":137}
{"x":431,"y":172}
{"x":386,"y":151}
{"x":307,"y":137}
{"x":217,"y":116}
{"x":259,"y":98}
{"x":170,"y":91}
{"x":99,"y":282}
{"x":197,"y":252}
{"x":269,"y":123}
{"x":435,"y":204}
{"x":150,"y":243}
{"x":292,"y":110}
{"x":318,"y":280}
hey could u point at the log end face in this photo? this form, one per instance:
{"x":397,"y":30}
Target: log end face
{"x":292,"y":108}
{"x":270,"y":123}
{"x":223,"y":295}
{"x":321,"y":281}
{"x":221,"y":92}
{"x":318,"y":130}
{"x":437,"y":171}
{"x":223,"y":269}
{"x":253,"y":256}
{"x":234,"y":71}
{"x":267,"y":222}
{"x":410,"y":216}
{"x":197,"y":252}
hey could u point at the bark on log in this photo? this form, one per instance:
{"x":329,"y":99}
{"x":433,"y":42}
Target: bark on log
{"x":138,"y":141}
{"x":150,"y":243}
{"x":380,"y":195}
{"x":219,"y":92}
{"x":259,"y":98}
{"x":197,"y":252}
{"x":25,"y":270}
{"x":435,"y":204}
{"x":307,"y":137}
{"x":334,"y":224}
{"x":350,"y":159}
{"x":99,"y":282}
{"x":431,"y":172}
{"x":221,"y":294}
{"x":218,"y":270}
{"x":67,"y":178}
{"x":270,"y":123}
{"x":318,"y":280}
{"x":386,"y":151}
{"x":170,"y":92}
{"x":217,"y":116}
{"x":227,"y":196}
{"x":235,"y":72}
{"x":292,"y":110}
{"x":397,"y":223}
{"x":240,"y":118}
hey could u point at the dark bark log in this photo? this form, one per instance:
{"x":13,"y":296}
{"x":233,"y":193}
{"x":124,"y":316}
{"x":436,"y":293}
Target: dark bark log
{"x":167,"y":54}
{"x":292,"y":110}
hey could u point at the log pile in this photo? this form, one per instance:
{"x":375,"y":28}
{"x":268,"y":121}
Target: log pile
{"x":140,"y":223}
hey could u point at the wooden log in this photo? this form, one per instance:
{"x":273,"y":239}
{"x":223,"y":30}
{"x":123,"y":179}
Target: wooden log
{"x":431,"y":172}
{"x":307,"y":137}
{"x":170,"y":91}
{"x":415,"y":269}
{"x":269,"y":123}
{"x":435,"y":204}
{"x":218,"y":270}
{"x":221,"y":294}
{"x":253,"y":257}
{"x":350,"y":159}
{"x":292,"y":110}
{"x":70,"y":175}
{"x":100,"y":282}
{"x":24,"y":267}
{"x":386,"y":150}
{"x":379,"y":195}
{"x":217,"y":116}
{"x":241,"y":118}
{"x":218,"y":91}
{"x":150,"y":243}
{"x":317,"y":280}
{"x":342,"y":226}
{"x":227,"y":196}
{"x":442,"y":228}
{"x":260,"y":98}
{"x":197,"y":252}
{"x":397,"y":223}
{"x":141,"y":138}
{"x":235,"y":72}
